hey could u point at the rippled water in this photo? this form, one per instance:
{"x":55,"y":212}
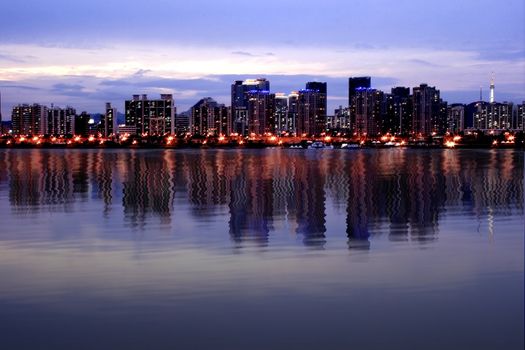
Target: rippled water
{"x":261,"y":249}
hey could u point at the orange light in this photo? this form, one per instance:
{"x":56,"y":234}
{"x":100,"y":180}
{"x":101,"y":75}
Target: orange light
{"x":457,"y":138}
{"x":450,"y":144}
{"x":91,"y":138}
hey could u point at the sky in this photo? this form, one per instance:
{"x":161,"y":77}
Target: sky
{"x":87,"y":53}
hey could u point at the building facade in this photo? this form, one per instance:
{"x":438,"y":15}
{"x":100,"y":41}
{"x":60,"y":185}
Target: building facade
{"x":493,"y":116}
{"x":340,"y":121}
{"x":357,"y":82}
{"x":369,"y":109}
{"x":520,"y":116}
{"x":239,"y":101}
{"x":261,"y":112}
{"x":428,"y":111}
{"x":61,"y":121}
{"x":29,"y":119}
{"x":282,"y":117}
{"x":151,"y":117}
{"x":311,"y":111}
{"x":398,"y":112}
{"x":456,"y":118}
{"x":108,"y":123}
{"x":210,"y":118}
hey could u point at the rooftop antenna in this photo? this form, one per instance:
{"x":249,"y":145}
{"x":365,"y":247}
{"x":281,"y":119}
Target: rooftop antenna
{"x":492,"y":88}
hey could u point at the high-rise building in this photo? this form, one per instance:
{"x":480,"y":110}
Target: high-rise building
{"x":340,"y":121}
{"x":61,"y":121}
{"x":311,"y":116}
{"x":82,"y":124}
{"x":456,"y":118}
{"x":316,"y":85}
{"x":151,"y":117}
{"x":357,"y":82}
{"x":209,"y":118}
{"x":520,"y":116}
{"x":29,"y":119}
{"x":108,"y":123}
{"x":239,"y":106}
{"x":293,"y":108}
{"x":369,"y":109}
{"x":428,"y":111}
{"x":494,"y":116}
{"x":281,"y":116}
{"x":261,"y":112}
{"x":182,"y":122}
{"x":398,"y":114}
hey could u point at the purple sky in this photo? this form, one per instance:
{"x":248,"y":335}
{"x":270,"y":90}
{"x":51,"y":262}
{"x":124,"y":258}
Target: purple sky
{"x":86,"y":53}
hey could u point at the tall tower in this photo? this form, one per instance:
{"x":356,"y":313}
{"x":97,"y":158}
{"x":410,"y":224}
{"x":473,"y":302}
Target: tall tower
{"x":492,"y":88}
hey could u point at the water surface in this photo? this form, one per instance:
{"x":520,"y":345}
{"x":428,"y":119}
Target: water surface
{"x":261,"y":249}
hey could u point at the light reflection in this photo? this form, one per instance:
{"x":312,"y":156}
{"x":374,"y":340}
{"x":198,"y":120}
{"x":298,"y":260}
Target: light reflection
{"x":404,"y":193}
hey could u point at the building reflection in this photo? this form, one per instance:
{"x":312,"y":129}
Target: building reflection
{"x":147,"y":188}
{"x":399,"y":193}
{"x":251,"y":198}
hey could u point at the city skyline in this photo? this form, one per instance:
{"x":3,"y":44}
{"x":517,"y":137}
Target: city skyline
{"x":196,"y":50}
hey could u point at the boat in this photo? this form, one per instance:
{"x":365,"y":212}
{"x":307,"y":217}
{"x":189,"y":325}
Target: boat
{"x":350,"y":146}
{"x":319,"y":145}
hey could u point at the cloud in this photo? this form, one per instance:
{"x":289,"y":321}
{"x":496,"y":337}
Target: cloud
{"x":141,"y":72}
{"x":11,"y":58}
{"x":423,"y":63}
{"x":14,"y":85}
{"x":243,"y":53}
{"x":249,"y":54}
{"x":501,"y":54}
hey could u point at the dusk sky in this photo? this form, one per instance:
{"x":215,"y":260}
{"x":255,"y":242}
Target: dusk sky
{"x":86,"y":53}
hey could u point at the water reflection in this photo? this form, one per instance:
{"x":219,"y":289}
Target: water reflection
{"x":402,"y":193}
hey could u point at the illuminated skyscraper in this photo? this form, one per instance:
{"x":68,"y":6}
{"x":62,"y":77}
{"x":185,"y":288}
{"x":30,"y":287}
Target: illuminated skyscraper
{"x":455,"y":118}
{"x":261,"y":112}
{"x":239,"y":107}
{"x":398,"y":112}
{"x":151,"y":117}
{"x":311,"y":116}
{"x":354,"y":83}
{"x":29,"y":119}
{"x":209,"y":118}
{"x":428,"y":111}
{"x":281,"y":113}
{"x":109,"y":121}
{"x":369,"y":109}
{"x":521,"y":116}
{"x":61,"y":121}
{"x":494,"y":116}
{"x":293,"y":99}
